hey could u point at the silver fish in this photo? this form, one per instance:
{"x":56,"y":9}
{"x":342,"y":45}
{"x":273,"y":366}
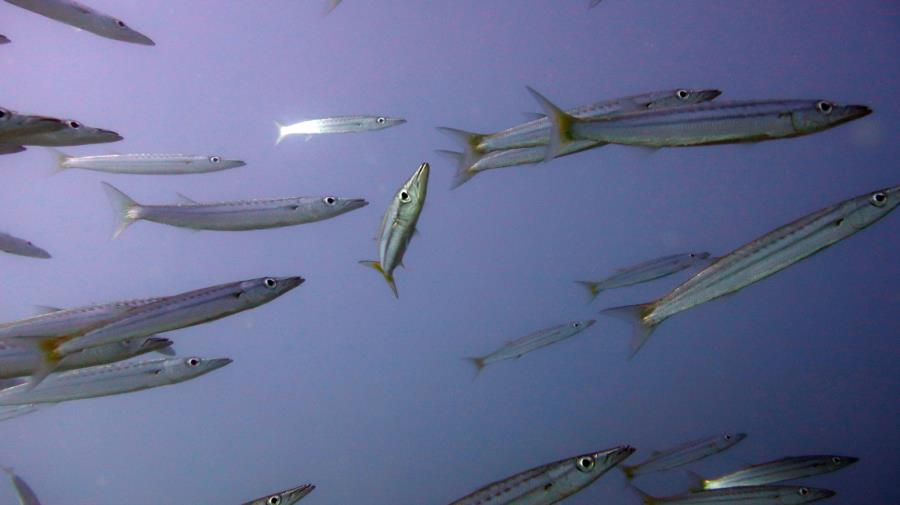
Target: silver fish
{"x":16,"y":411}
{"x":780,"y":470}
{"x":683,"y":454}
{"x":749,"y":495}
{"x":26,"y":494}
{"x":4,"y":40}
{"x":286,"y":497}
{"x":646,"y":271}
{"x":399,"y":225}
{"x":113,"y":379}
{"x":149,"y":164}
{"x":21,"y":247}
{"x":230,"y":216}
{"x":73,"y":133}
{"x":767,"y":255}
{"x":56,"y":322}
{"x":339,"y":124}
{"x":701,"y":124}
{"x":515,"y":349}
{"x":550,"y":483}
{"x":13,"y":125}
{"x":17,"y":359}
{"x":81,"y":16}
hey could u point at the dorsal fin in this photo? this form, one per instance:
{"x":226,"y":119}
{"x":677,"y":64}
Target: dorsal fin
{"x":185,"y":200}
{"x":46,"y":309}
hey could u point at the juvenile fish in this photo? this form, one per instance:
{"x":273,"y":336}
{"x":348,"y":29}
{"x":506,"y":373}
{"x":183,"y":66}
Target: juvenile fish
{"x":14,"y":125}
{"x":646,"y":271}
{"x":399,"y":225}
{"x":73,"y":133}
{"x":81,"y":16}
{"x":701,"y":124}
{"x":230,"y":216}
{"x":21,"y":247}
{"x":148,"y":164}
{"x":550,"y":483}
{"x":26,"y":495}
{"x":18,"y":359}
{"x":750,"y":495}
{"x":780,"y":470}
{"x":113,"y":379}
{"x":286,"y":497}
{"x":683,"y":454}
{"x":517,"y":348}
{"x":340,"y":124}
{"x":767,"y":255}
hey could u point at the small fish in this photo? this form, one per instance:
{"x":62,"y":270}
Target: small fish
{"x":14,"y":125}
{"x":683,"y":454}
{"x":701,"y":124}
{"x":646,"y":271}
{"x":550,"y":483}
{"x":756,"y":260}
{"x":286,"y":497}
{"x":113,"y":379}
{"x":399,"y":225}
{"x":749,"y":495}
{"x":339,"y":124}
{"x":4,"y":40}
{"x":515,"y":349}
{"x":74,"y":133}
{"x":17,"y":359}
{"x":148,"y":164}
{"x":14,"y":411}
{"x":230,"y":216}
{"x":26,"y":495}
{"x":21,"y":247}
{"x":81,"y":16}
{"x":780,"y":470}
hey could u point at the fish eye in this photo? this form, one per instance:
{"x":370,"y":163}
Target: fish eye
{"x":120,"y":23}
{"x":682,"y":94}
{"x":727,"y":437}
{"x":803,"y":491}
{"x":576,"y":325}
{"x":836,"y":460}
{"x":585,"y":463}
{"x":274,"y":500}
{"x":878,"y":199}
{"x":193,"y":362}
{"x":4,"y":114}
{"x":214,"y":159}
{"x":380,"y":120}
{"x":329,"y":200}
{"x":74,"y":125}
{"x":270,"y":283}
{"x":824,"y":107}
{"x":404,"y":196}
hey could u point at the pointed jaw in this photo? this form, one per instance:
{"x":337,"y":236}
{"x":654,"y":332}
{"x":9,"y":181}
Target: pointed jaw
{"x":294,"y":495}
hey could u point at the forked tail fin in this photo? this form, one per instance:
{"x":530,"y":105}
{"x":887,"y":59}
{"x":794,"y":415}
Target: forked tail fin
{"x":628,"y":471}
{"x":388,"y":277}
{"x":463,"y":172}
{"x":471,"y":153}
{"x":646,"y":498}
{"x":61,"y":159}
{"x":478,"y":363}
{"x":593,"y":287}
{"x":281,"y":133}
{"x":123,"y":208}
{"x":561,"y":124}
{"x":636,"y":315}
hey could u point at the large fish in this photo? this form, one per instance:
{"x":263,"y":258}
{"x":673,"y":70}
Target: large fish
{"x":286,"y":497}
{"x":683,"y":454}
{"x":517,"y":348}
{"x":550,"y":483}
{"x":113,"y":379}
{"x":148,"y":164}
{"x":399,"y":225}
{"x":339,"y":124}
{"x":81,"y":16}
{"x":646,"y":271}
{"x":702,"y":124}
{"x":73,"y":133}
{"x":14,"y":125}
{"x":21,"y":247}
{"x":231,"y":216}
{"x":767,"y":255}
{"x":56,"y":322}
{"x":749,"y":495}
{"x":791,"y":468}
{"x":20,"y":360}
{"x":26,"y":494}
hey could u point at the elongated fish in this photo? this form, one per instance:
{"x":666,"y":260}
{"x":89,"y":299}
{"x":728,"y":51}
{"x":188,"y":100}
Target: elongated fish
{"x":399,"y":225}
{"x":21,"y":247}
{"x":73,"y":133}
{"x":26,"y":494}
{"x":683,"y":454}
{"x":750,"y":495}
{"x":286,"y":497}
{"x":4,"y":40}
{"x":767,"y":255}
{"x":230,"y":216}
{"x":149,"y":164}
{"x":14,"y":125}
{"x":517,"y":348}
{"x":81,"y":16}
{"x":55,"y":322}
{"x":14,"y":411}
{"x":701,"y":124}
{"x":20,"y":360}
{"x":646,"y":271}
{"x":339,"y":124}
{"x":791,"y":468}
{"x":550,"y":483}
{"x":112,"y":379}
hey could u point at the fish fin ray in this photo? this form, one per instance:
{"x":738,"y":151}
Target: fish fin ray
{"x":593,"y":288}
{"x":61,"y":158}
{"x":634,"y":314}
{"x":698,"y":483}
{"x":281,"y":134}
{"x":478,"y":363}
{"x":185,"y":200}
{"x":388,"y":277}
{"x":561,"y":129}
{"x":463,"y":172}
{"x":121,"y":204}
{"x":646,"y":498}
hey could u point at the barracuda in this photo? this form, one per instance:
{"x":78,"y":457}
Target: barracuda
{"x":148,"y":163}
{"x":791,"y":468}
{"x":646,"y":271}
{"x":683,"y":454}
{"x":286,"y":497}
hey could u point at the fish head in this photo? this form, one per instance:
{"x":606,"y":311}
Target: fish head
{"x":381,"y":122}
{"x":726,"y":440}
{"x":815,"y":116}
{"x":587,"y":468}
{"x":804,"y":494}
{"x":835,"y":462}
{"x":286,"y":497}
{"x":578,"y":326}
{"x":411,"y":196}
{"x":219,"y":163}
{"x":866,"y":209}
{"x":78,"y":133}
{"x":117,"y":29}
{"x":180,"y":369}
{"x":333,"y":206}
{"x":256,"y":292}
{"x":24,"y":247}
{"x":681,"y":96}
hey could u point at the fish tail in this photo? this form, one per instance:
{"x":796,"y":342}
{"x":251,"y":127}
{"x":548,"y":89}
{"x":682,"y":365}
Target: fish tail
{"x":645,"y":498}
{"x":469,"y":142}
{"x":463,"y":172}
{"x":50,"y":358}
{"x":61,"y":159}
{"x":698,"y":483}
{"x":478,"y":363}
{"x":123,"y":208}
{"x":561,"y":129}
{"x":634,"y":314}
{"x":628,"y":471}
{"x":387,"y":276}
{"x":593,"y":287}
{"x":281,"y":133}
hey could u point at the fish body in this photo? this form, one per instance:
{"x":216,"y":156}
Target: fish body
{"x":112,"y":379}
{"x":14,"y":125}
{"x":21,"y":247}
{"x":64,"y":322}
{"x":286,"y":497}
{"x":750,"y":495}
{"x":550,"y":483}
{"x":765,"y":256}
{"x":231,"y":216}
{"x":26,"y":494}
{"x":399,"y":224}
{"x":73,"y":133}
{"x":339,"y":124}
{"x":781,"y":470}
{"x":20,"y":360}
{"x":531,"y":342}
{"x":683,"y":454}
{"x":81,"y":16}
{"x":646,"y":271}
{"x":4,"y":40}
{"x":149,"y":164}
{"x":16,"y":411}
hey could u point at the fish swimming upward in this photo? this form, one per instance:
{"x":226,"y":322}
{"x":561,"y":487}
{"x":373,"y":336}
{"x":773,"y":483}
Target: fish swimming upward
{"x":81,"y":16}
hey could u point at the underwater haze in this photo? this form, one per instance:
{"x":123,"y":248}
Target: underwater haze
{"x":338,"y":383}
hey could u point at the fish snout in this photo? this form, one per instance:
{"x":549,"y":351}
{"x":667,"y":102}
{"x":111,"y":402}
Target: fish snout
{"x":289,"y":283}
{"x":216,"y":363}
{"x":617,"y":455}
{"x":709,"y":94}
{"x":109,"y":135}
{"x":857,"y":111}
{"x":235,"y":163}
{"x":356,"y":203}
